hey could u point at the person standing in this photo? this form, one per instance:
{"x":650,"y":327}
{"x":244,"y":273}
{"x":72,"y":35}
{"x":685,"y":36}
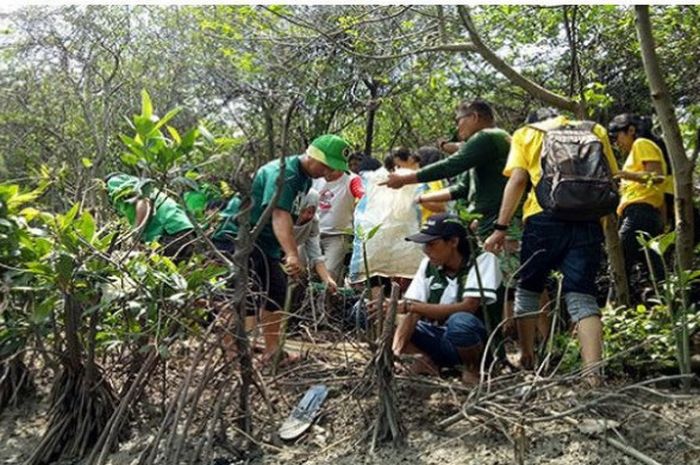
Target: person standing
{"x":643,"y":180}
{"x":485,"y":150}
{"x":556,"y":234}
{"x":276,"y":253}
{"x":337,"y":197}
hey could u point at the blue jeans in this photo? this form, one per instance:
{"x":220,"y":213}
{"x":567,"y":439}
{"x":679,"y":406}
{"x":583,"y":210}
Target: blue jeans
{"x":460,"y":331}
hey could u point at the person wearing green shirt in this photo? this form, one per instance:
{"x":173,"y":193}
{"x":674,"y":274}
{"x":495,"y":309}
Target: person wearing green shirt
{"x":485,"y":150}
{"x":276,"y":246}
{"x":152,"y":214}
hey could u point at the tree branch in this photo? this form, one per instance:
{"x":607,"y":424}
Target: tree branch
{"x":508,"y":71}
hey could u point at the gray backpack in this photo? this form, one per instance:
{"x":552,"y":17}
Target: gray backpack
{"x":576,"y":183}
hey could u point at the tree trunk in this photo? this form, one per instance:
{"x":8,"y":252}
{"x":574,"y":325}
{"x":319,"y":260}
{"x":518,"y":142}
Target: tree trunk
{"x":682,"y":166}
{"x":372,"y":106}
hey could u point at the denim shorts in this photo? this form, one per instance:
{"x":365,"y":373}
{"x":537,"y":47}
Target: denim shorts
{"x":574,"y":248}
{"x":440,"y":343}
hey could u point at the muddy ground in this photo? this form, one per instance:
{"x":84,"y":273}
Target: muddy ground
{"x":662,"y":423}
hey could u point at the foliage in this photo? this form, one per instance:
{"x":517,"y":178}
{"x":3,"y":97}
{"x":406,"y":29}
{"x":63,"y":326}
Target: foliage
{"x":643,"y":338}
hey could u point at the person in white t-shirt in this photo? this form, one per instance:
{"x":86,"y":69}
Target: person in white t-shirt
{"x":444,"y":324}
{"x":335,"y":209}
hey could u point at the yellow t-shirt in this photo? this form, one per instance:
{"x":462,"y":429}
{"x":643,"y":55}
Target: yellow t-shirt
{"x":643,"y":150}
{"x":425,"y":188}
{"x":525,"y":150}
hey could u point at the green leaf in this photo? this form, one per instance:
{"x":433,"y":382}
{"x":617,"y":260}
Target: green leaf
{"x":86,"y":226}
{"x":66,"y":220}
{"x":129,"y":159}
{"x":373,"y":231}
{"x":146,"y":105}
{"x":64,"y":270}
{"x":87,"y":163}
{"x":164,"y":120}
{"x":174,"y":134}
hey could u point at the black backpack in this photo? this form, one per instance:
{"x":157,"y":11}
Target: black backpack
{"x":576,"y":183}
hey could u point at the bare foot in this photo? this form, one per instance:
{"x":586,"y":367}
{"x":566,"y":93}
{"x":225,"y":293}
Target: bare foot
{"x":286,"y":358}
{"x":470,"y":378}
{"x":422,"y":365}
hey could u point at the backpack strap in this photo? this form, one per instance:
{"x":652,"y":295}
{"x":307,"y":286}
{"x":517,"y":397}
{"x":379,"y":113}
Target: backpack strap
{"x":550,"y":125}
{"x":546,"y":125}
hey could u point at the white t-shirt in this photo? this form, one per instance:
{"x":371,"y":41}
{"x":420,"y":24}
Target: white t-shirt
{"x":489,"y":271}
{"x":336,"y":204}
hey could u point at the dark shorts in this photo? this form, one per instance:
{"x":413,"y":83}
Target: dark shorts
{"x":574,"y":248}
{"x":178,"y":246}
{"x":644,"y":218}
{"x":266,"y":277}
{"x":460,"y":331}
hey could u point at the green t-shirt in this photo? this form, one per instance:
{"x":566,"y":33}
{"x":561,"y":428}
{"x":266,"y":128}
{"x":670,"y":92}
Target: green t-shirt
{"x":486,"y":152}
{"x":167,"y":216}
{"x":295,"y":187}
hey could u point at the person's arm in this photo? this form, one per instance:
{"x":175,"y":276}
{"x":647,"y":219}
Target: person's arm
{"x":438,"y":311}
{"x":143,"y":212}
{"x":283,"y":227}
{"x":471,"y":153}
{"x":515,"y":187}
{"x":357,"y":189}
{"x":443,"y":195}
{"x":447,"y":146}
{"x":404,"y":332}
{"x":322,"y":270}
{"x":652,"y":171}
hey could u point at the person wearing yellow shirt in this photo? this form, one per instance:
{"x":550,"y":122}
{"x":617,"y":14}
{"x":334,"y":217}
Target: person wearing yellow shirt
{"x":643,"y":181}
{"x":551,"y":243}
{"x":404,"y":158}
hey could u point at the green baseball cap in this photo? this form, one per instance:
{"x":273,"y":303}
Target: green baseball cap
{"x":330,"y":150}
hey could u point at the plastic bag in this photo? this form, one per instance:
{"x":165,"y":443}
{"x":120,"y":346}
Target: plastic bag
{"x":395,"y":210}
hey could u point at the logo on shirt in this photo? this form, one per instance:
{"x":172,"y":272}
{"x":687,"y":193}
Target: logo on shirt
{"x":325,"y":199}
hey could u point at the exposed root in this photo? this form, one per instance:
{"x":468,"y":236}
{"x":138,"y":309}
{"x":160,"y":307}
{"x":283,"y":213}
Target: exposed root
{"x":81,"y":406}
{"x":16,"y":382}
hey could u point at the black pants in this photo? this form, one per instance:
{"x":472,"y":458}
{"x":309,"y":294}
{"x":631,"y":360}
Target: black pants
{"x":636,"y":218}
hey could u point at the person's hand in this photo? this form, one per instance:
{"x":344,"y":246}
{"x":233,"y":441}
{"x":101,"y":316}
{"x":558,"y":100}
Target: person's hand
{"x":495,"y":241}
{"x":331,"y":285}
{"x":394,"y":181}
{"x":373,"y":310}
{"x":292,"y":265}
{"x":474,"y":225}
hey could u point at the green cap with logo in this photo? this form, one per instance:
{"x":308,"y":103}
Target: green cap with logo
{"x":330,"y":150}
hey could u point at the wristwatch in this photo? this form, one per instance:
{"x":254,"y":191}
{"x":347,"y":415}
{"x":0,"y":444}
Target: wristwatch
{"x":500,"y":227}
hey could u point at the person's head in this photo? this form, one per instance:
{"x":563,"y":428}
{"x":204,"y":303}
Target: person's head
{"x":370,"y":164}
{"x":325,"y":155}
{"x":308,"y":207}
{"x":389,"y":162}
{"x":623,"y":130}
{"x":444,"y":238}
{"x":354,"y":161}
{"x":121,"y":186}
{"x":404,"y":158}
{"x":428,"y":155}
{"x":472,"y":117}
{"x":541,"y":114}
